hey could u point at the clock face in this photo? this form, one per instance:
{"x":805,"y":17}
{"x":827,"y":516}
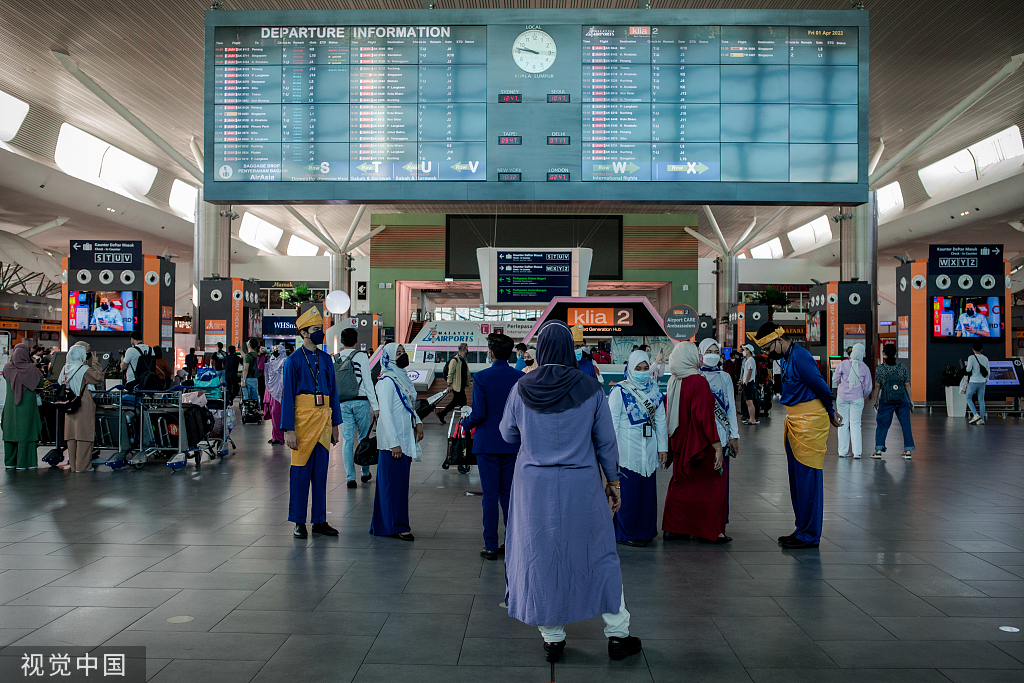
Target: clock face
{"x":534,"y":51}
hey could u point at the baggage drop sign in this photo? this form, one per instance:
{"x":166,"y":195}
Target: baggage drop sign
{"x":103,"y":254}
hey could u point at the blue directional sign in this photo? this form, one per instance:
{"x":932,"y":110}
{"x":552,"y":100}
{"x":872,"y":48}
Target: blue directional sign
{"x":533,"y":277}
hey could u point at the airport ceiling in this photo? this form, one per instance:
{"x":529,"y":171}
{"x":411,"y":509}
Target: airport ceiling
{"x":925,"y":56}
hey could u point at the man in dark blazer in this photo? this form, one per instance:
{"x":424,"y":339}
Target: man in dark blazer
{"x":495,"y":458}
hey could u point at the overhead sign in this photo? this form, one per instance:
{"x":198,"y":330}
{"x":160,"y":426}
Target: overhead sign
{"x":601,"y":317}
{"x":279,"y":326}
{"x":533,"y":277}
{"x":537,"y":105}
{"x":104,"y":254}
{"x":681,"y":322}
{"x":954,"y":259}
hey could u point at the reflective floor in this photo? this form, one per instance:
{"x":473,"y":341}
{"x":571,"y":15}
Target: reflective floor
{"x":921,"y":564}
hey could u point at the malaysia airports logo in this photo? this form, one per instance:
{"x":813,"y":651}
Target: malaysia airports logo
{"x":596,"y":32}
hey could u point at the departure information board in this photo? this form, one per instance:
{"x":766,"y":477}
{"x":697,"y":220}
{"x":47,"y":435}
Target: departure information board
{"x":767,"y":107}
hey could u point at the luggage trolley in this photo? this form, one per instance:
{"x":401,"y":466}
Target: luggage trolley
{"x":164,"y":413}
{"x":117,"y":429}
{"x":460,"y":443}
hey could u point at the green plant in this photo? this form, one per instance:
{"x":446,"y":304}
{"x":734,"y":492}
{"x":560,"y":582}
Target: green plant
{"x":298,"y":295}
{"x":772,"y":297}
{"x":951,"y":375}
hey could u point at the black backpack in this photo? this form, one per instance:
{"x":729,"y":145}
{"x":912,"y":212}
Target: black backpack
{"x":146,"y":377}
{"x":65,"y":400}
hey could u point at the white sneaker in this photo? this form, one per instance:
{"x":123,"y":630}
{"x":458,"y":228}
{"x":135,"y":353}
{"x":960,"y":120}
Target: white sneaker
{"x":980,"y":422}
{"x":974,"y":420}
{"x":844,"y":455}
{"x":876,"y":456}
{"x":856,"y":457}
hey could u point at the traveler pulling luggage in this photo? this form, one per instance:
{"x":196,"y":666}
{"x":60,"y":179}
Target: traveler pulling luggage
{"x":460,"y":443}
{"x":252,"y":411}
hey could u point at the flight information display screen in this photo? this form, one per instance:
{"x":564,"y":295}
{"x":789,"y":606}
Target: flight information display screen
{"x":645,"y":110}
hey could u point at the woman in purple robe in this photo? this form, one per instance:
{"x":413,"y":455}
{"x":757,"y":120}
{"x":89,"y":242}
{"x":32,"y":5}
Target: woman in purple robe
{"x":560,"y":560}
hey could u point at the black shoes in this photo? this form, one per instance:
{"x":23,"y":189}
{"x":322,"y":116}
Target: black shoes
{"x":669,"y":536}
{"x":351,"y":483}
{"x":365,"y":478}
{"x":489,"y":554}
{"x":720,"y":540}
{"x":324,"y":529}
{"x":553,"y":651}
{"x":501,"y":550}
{"x":794,"y":543}
{"x":783,"y":539}
{"x":440,"y":416}
{"x":407,"y":536}
{"x":620,"y":648}
{"x":634,"y":543}
{"x":275,"y":442}
{"x":300,"y":531}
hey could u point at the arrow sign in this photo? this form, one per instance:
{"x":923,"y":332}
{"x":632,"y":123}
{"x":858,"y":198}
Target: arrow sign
{"x":367,"y":167}
{"x":696,"y":167}
{"x":410,"y":167}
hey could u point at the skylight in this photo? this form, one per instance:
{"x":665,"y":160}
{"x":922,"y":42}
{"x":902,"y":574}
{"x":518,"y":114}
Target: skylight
{"x":890,"y":198}
{"x":770,"y":249}
{"x":183,"y":199}
{"x":258,"y":233}
{"x":300,"y":247}
{"x":12,"y":114}
{"x":88,"y":158}
{"x":806,"y":236}
{"x":971,"y":163}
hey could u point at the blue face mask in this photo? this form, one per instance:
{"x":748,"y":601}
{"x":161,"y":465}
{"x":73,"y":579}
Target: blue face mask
{"x":317,"y":337}
{"x":579,"y":354}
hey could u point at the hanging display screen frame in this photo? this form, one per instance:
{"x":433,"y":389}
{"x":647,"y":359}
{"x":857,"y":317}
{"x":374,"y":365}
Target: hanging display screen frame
{"x":535,"y":172}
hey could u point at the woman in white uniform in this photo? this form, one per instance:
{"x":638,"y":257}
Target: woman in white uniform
{"x":722,"y":388}
{"x":638,"y":415}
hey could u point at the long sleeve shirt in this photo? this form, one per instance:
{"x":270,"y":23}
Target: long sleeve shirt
{"x":722,"y":387}
{"x":362,"y":366}
{"x":491,"y":388}
{"x":802,"y":381}
{"x":299,"y":379}
{"x":637,"y":453}
{"x":842,"y":380}
{"x":395,"y":426}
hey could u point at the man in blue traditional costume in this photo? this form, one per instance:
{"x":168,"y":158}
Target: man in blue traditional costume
{"x":310,"y":416}
{"x":809,"y":412}
{"x":560,"y":560}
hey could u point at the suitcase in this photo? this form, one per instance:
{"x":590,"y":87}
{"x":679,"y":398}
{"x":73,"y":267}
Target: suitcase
{"x":198,"y":424}
{"x":252,"y":411}
{"x":460,"y":443}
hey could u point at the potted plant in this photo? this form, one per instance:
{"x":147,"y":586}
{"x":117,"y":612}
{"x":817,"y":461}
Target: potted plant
{"x":956,"y":403}
{"x":772,"y":297}
{"x":297,"y":296}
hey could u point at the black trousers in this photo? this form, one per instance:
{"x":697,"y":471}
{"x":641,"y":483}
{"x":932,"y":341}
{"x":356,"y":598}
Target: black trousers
{"x":458,"y":400}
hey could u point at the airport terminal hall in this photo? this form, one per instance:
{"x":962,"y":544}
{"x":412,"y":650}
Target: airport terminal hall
{"x":512,"y":341}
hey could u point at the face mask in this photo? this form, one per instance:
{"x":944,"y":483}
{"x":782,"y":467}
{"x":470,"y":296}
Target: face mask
{"x":105,"y":307}
{"x":775,"y":355}
{"x":711,"y":360}
{"x":529,"y":362}
{"x":970,"y":311}
{"x":579,"y":354}
{"x":317,"y":337}
{"x":402,"y":361}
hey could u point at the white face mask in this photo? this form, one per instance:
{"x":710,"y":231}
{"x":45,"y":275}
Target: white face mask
{"x":711,"y":360}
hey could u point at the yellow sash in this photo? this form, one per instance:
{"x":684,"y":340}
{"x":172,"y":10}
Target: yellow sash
{"x":312,"y":426}
{"x":806,"y":430}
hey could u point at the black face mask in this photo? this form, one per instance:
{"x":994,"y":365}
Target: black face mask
{"x":529,"y":363}
{"x":970,"y":311}
{"x":105,"y":307}
{"x":775,"y":355}
{"x":402,"y":361}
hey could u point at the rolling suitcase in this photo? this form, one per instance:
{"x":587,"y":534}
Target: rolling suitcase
{"x":252,"y":411}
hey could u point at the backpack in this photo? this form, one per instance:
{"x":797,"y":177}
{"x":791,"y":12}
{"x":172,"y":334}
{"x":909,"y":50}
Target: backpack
{"x":65,"y":400}
{"x":345,"y":379}
{"x":893,"y":391}
{"x":146,"y":377}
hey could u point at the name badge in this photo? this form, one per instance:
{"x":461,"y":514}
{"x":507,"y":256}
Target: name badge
{"x":648,"y":430}
{"x":318,"y":399}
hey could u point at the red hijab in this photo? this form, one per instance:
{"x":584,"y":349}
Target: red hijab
{"x":20,"y":372}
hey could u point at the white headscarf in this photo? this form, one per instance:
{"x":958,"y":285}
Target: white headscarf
{"x":74,"y":369}
{"x":704,"y":346}
{"x":406,"y":389}
{"x":273,"y":368}
{"x":684,"y":362}
{"x":856,"y":358}
{"x":641,"y":381}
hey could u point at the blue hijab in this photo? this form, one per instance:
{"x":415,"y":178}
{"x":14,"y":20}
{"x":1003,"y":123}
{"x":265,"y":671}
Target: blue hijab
{"x":557,"y":385}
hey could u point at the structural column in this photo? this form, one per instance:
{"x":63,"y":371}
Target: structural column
{"x":338,"y":278}
{"x":211,"y":254}
{"x":727,"y":290}
{"x":858,"y":242}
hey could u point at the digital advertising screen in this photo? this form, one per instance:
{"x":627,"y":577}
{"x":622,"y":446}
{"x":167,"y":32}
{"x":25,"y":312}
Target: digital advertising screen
{"x":739,"y":106}
{"x":113,"y":311}
{"x":1001,"y":373}
{"x":955,"y":317}
{"x":812,"y":335}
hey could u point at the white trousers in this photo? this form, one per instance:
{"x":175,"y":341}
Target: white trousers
{"x":615,"y":626}
{"x":850,"y":432}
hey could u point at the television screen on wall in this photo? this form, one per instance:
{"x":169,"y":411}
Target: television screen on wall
{"x":812,"y":333}
{"x":956,"y":317}
{"x":114,"y":311}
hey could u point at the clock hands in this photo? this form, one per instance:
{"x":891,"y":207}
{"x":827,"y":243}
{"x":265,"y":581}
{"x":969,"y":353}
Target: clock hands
{"x":526,"y":49}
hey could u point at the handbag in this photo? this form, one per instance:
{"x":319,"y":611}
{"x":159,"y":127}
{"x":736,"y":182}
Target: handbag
{"x":366,"y":451}
{"x":963,"y":384}
{"x":65,"y":400}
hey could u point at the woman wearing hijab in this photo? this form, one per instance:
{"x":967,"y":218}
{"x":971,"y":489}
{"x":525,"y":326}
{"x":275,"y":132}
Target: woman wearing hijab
{"x":698,"y":496}
{"x":725,"y":395}
{"x":399,"y":432}
{"x":853,"y":377}
{"x":560,"y":559}
{"x":529,"y":362}
{"x":20,"y":420}
{"x":638,"y":417}
{"x":80,"y":373}
{"x":275,"y":388}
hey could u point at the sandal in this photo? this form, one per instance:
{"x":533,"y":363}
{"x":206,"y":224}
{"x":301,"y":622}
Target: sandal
{"x":877,"y":455}
{"x":906,"y":455}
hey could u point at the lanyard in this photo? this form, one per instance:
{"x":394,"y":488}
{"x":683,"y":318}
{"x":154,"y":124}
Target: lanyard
{"x":316,"y":375}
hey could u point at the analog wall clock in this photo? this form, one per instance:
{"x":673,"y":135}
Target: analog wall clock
{"x":534,"y":51}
